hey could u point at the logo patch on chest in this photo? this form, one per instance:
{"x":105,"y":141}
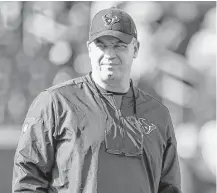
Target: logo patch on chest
{"x":147,"y":126}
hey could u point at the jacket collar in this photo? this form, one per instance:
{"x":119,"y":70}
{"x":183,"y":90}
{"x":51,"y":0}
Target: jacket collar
{"x":102,"y":91}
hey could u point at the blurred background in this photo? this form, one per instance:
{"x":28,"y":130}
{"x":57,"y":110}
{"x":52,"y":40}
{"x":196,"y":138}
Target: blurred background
{"x":44,"y":43}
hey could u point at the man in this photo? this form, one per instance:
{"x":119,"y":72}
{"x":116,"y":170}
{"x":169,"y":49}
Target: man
{"x":99,"y":133}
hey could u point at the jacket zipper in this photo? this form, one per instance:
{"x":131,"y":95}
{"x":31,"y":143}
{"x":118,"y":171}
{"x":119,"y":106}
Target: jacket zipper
{"x":116,"y":108}
{"x":119,"y":113}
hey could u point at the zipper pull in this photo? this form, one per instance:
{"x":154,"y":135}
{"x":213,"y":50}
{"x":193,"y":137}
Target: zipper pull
{"x":119,"y":113}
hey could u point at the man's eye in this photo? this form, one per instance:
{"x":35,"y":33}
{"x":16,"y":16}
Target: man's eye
{"x":100,"y":45}
{"x":121,"y":46}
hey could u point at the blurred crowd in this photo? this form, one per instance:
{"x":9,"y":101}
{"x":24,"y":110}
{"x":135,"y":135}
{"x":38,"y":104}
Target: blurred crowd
{"x":44,"y":43}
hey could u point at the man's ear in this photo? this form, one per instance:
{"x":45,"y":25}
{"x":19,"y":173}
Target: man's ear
{"x":136,"y":48}
{"x":88,"y":45}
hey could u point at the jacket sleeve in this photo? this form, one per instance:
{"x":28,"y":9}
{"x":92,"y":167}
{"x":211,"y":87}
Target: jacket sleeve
{"x":170,"y":181}
{"x":34,"y":155}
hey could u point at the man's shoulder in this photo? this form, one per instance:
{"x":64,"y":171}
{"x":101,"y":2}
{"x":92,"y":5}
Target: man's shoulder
{"x":146,"y":97}
{"x":65,"y":89}
{"x":67,"y":85}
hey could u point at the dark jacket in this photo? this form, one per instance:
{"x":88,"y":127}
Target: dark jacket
{"x":62,"y":147}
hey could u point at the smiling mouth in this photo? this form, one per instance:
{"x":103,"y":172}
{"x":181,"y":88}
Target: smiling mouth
{"x":111,"y":64}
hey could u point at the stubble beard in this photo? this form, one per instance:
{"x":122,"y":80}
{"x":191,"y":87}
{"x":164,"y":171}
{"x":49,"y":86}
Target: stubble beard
{"x":110,"y":76}
{"x":106,"y":74}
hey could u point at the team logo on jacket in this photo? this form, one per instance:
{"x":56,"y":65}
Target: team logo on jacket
{"x":110,"y":20}
{"x":147,"y":126}
{"x":132,"y":128}
{"x":142,"y":124}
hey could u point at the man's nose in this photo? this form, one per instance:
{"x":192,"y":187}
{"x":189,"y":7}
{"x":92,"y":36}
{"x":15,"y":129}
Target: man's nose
{"x":109,"y":52}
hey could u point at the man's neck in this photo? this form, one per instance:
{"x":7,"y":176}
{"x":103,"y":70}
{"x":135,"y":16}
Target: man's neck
{"x":113,"y":86}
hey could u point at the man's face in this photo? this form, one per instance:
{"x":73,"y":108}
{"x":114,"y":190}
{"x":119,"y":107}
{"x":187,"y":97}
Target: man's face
{"x":111,"y":58}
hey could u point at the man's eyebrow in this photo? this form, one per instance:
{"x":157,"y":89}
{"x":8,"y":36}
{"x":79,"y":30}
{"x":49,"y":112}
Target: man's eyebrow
{"x":118,"y":42}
